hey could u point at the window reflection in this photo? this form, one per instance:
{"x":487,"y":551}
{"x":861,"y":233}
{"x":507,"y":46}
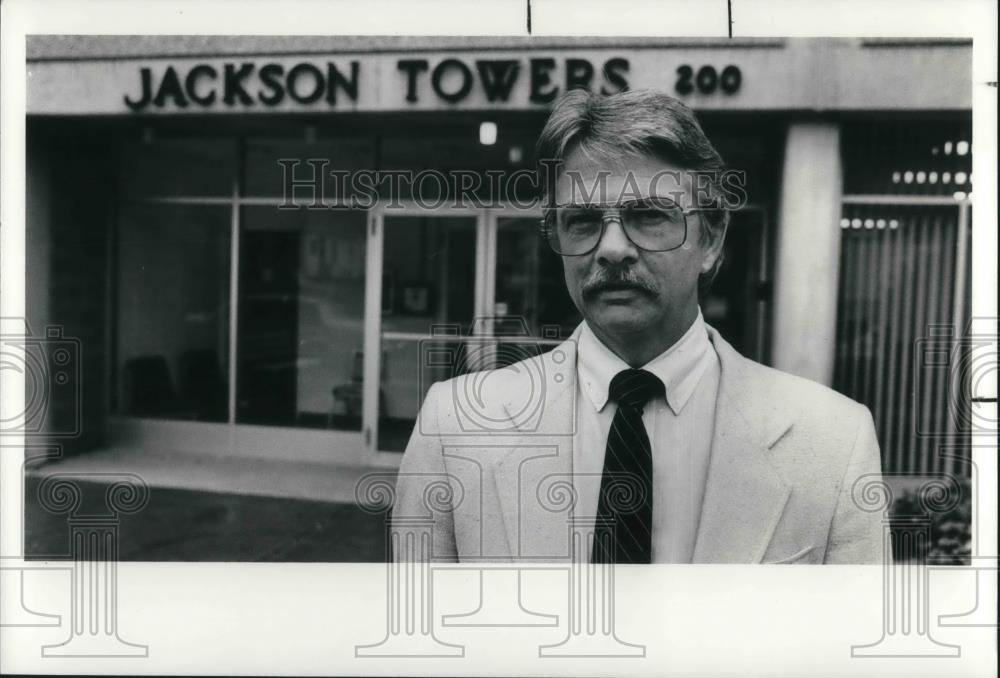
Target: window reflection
{"x":530,"y":287}
{"x":173,"y":311}
{"x":178,"y":167}
{"x":428,"y":285}
{"x":301,"y":303}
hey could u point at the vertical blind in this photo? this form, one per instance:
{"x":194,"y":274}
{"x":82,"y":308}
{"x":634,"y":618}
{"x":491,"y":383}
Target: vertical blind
{"x":898,"y":301}
{"x":904,"y":288}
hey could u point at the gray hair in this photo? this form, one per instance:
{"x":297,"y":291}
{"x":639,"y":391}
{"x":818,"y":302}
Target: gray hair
{"x":639,"y":122}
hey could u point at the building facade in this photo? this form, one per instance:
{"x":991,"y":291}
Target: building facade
{"x":185,"y":223}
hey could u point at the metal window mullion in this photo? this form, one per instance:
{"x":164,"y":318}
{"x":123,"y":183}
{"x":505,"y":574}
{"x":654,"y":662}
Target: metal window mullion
{"x":485,"y":273}
{"x":477,"y":340}
{"x":222,"y":201}
{"x":961,"y":261}
{"x":946,"y":460}
{"x":483,"y":297}
{"x":919,"y":332}
{"x":490,"y":291}
{"x":958,"y":314}
{"x":234,"y":281}
{"x":371,"y":381}
{"x":895,"y":200}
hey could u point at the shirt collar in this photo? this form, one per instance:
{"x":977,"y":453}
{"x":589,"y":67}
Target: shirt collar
{"x":679,"y":367}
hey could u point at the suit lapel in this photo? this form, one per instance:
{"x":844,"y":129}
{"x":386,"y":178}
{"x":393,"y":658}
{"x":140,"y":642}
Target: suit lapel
{"x":529,"y":473}
{"x":744,"y":495}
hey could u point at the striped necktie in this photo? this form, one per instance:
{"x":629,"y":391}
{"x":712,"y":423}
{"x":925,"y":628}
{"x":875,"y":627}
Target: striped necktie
{"x":624,"y":527}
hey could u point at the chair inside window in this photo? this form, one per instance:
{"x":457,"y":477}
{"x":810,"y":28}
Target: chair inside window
{"x":148,"y":389}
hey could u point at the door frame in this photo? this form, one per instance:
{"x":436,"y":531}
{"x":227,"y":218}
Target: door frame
{"x":484,"y":295}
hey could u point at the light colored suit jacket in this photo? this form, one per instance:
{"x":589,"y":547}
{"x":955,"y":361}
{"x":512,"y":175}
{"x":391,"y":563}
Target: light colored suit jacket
{"x":488,"y":468}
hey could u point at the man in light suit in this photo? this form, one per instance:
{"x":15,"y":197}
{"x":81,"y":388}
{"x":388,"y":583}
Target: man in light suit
{"x":645,"y":437}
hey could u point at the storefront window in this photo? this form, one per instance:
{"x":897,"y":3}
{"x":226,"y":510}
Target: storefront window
{"x":301,"y":317}
{"x":267,"y":176}
{"x":178,"y":167}
{"x":173,"y":311}
{"x":428,"y":287}
{"x":530,"y":287}
{"x":299,"y":312}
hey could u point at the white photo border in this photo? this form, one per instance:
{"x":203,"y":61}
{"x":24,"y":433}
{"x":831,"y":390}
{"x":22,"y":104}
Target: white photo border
{"x":227,"y":618}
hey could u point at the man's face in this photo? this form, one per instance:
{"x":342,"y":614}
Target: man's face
{"x":623,"y":291}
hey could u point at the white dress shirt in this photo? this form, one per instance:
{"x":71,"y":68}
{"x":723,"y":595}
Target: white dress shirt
{"x":679,"y":426}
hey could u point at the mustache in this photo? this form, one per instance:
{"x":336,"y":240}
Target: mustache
{"x":615,"y":279}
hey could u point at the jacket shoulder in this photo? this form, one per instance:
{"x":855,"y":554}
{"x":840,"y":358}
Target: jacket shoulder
{"x":806,"y":397}
{"x":483,"y":395}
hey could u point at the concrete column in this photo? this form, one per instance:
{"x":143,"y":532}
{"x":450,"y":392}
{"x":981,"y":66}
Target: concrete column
{"x":808,"y":252}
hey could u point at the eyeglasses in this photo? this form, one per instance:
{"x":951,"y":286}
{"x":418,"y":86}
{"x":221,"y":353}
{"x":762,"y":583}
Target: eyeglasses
{"x":653,"y":224}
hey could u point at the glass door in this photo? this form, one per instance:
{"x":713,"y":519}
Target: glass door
{"x":460,"y":291}
{"x":301,"y":318}
{"x":529,"y":296}
{"x":428,"y":289}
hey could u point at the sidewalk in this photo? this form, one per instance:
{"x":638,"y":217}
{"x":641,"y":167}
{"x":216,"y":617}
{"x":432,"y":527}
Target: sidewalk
{"x":204,"y":508}
{"x":214,"y":473}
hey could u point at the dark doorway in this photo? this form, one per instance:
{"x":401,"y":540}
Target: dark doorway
{"x":268,"y":326}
